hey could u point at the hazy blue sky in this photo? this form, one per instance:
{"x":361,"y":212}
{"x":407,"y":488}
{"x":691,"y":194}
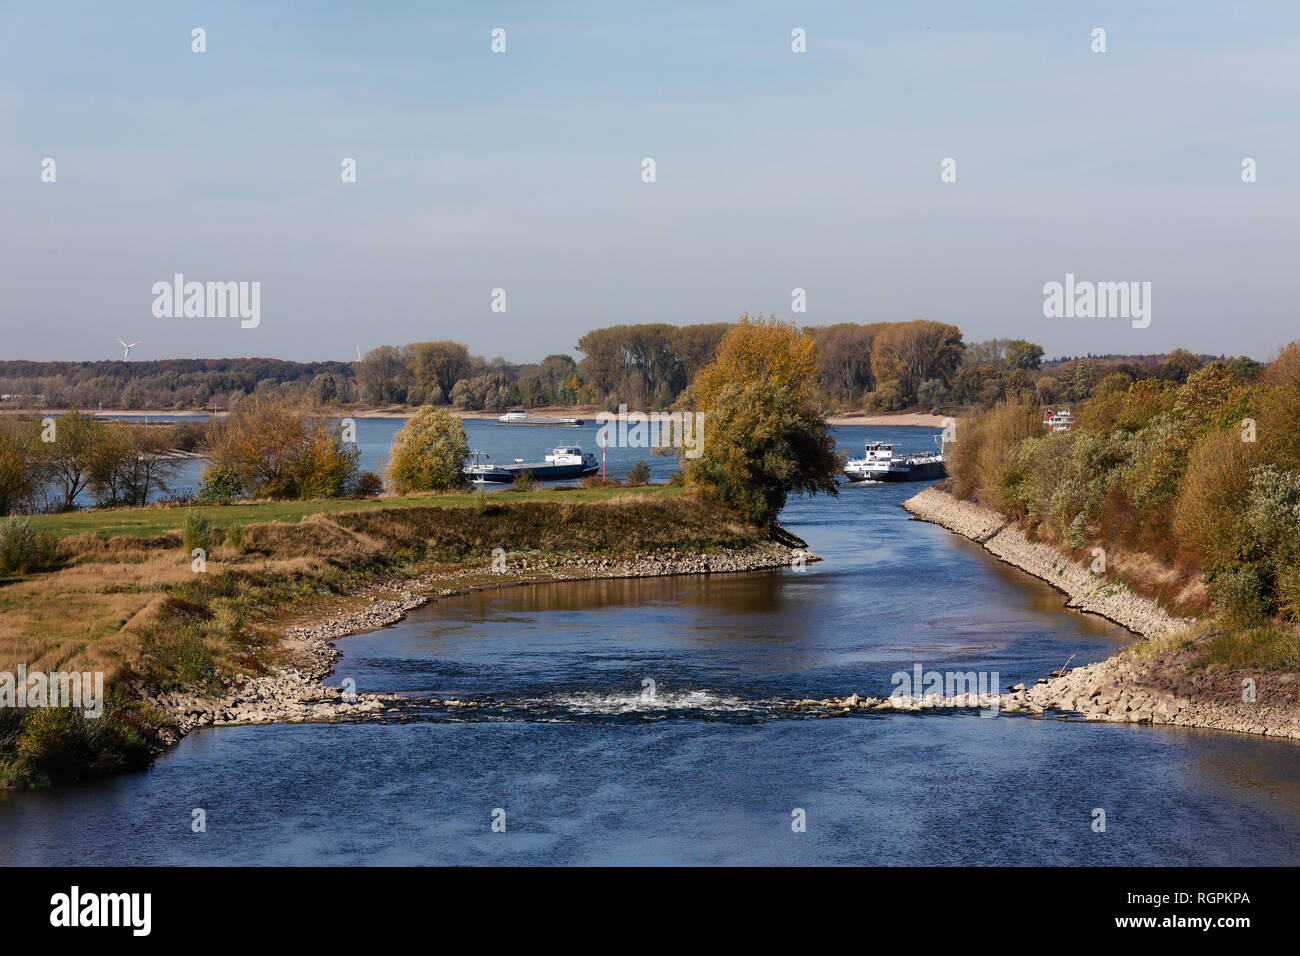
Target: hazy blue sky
{"x":522,"y":170}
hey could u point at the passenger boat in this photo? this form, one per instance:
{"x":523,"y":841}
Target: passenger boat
{"x":568,"y":461}
{"x":517,"y":416}
{"x":880,"y":462}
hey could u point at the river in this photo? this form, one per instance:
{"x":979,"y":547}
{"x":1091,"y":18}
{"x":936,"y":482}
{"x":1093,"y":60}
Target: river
{"x":592,"y":765}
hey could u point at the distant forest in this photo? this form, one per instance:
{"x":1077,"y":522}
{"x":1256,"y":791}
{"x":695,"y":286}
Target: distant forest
{"x":882,"y":366}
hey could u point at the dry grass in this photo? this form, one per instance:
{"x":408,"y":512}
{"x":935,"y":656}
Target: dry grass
{"x":1177,"y":589}
{"x":114,"y":598}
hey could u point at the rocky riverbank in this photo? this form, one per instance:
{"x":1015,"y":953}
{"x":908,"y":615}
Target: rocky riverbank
{"x":295,"y":693}
{"x":1084,"y":589}
{"x":1155,"y":684}
{"x":1121,"y":689}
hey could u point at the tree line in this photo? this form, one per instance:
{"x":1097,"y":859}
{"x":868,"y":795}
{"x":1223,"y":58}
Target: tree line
{"x":883,"y":366}
{"x":47,"y":464}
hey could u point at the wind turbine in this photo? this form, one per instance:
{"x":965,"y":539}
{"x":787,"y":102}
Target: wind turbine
{"x":358,"y":348}
{"x":126,"y":348}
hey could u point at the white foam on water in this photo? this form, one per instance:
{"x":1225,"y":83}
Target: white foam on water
{"x":636,"y":702}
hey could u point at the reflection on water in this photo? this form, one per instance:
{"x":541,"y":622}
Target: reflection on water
{"x":707,"y":769}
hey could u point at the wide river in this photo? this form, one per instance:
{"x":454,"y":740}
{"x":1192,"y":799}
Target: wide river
{"x":590,"y":767}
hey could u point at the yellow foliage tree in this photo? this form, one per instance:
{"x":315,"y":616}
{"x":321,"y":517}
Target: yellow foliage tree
{"x":761,"y":352}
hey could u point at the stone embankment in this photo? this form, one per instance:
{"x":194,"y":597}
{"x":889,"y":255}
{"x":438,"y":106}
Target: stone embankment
{"x":768,"y":554}
{"x":1139,"y":685}
{"x":296,"y":694}
{"x":1084,"y":589}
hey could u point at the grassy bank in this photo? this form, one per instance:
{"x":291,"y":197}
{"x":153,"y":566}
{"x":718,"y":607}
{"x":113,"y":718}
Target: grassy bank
{"x":164,"y":518}
{"x":126,"y":601}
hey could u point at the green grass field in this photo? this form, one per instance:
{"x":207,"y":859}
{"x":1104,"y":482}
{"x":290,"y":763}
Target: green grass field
{"x":143,"y":522}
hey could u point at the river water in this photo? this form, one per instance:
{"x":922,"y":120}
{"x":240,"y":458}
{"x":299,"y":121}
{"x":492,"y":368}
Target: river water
{"x":591,"y":764}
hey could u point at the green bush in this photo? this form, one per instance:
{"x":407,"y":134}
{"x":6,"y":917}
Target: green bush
{"x":1288,"y":592}
{"x":219,"y":485}
{"x":196,"y":531}
{"x":1241,"y":593}
{"x":429,"y":453}
{"x":23,"y":549}
{"x":48,"y":745}
{"x":639,"y":474}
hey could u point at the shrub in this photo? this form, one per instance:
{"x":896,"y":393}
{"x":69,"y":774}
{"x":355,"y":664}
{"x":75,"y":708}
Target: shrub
{"x":639,"y":474}
{"x":1208,"y":511}
{"x":524,"y":481}
{"x":429,"y":453}
{"x":49,"y":745}
{"x":369,"y":485}
{"x":1240,"y":593}
{"x":196,"y":531}
{"x":983,"y":451}
{"x":22,"y":549}
{"x":1288,"y":592}
{"x":275,"y":449}
{"x":220,"y":485}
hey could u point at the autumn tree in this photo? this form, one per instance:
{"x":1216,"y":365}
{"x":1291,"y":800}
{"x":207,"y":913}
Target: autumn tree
{"x":68,"y":460}
{"x":135,"y":462}
{"x":385,"y":375}
{"x":762,"y":351}
{"x":646,"y":364}
{"x":429,"y":453}
{"x":908,"y":353}
{"x":844,"y":359}
{"x":1178,"y":366}
{"x":763,"y":437}
{"x":439,"y":365}
{"x":18,"y":464}
{"x":276,"y":449}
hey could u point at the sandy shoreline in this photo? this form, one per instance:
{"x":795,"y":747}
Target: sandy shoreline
{"x":917,"y":419}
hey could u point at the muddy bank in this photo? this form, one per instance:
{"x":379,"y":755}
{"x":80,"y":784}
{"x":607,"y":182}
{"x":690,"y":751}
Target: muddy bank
{"x":1151,"y":684}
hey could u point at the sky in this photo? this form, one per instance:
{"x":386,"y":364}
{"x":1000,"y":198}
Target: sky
{"x":523,"y":171}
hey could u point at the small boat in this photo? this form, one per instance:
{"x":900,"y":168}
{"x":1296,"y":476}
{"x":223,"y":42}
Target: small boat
{"x":1058,"y":419}
{"x":517,"y":416}
{"x":879,"y":462}
{"x":567,"y":461}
